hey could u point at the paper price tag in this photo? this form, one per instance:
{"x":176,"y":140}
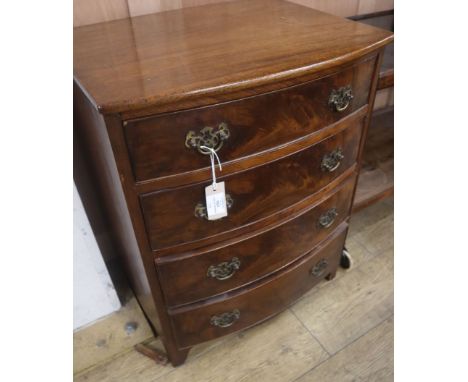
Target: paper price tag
{"x":216,"y":201}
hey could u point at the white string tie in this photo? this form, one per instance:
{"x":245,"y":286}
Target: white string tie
{"x":213,"y":154}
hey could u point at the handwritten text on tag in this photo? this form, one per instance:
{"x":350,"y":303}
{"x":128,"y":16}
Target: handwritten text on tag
{"x":215,"y":201}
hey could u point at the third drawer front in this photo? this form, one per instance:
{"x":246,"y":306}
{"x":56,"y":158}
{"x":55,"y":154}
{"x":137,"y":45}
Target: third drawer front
{"x":193,"y":325}
{"x":177,"y":216}
{"x":211,"y":272}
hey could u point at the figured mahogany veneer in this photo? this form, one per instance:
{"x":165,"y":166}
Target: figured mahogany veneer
{"x":185,"y":279}
{"x":293,"y":86}
{"x":170,"y":217}
{"x":178,"y":59}
{"x":156,"y":145}
{"x":259,"y":301}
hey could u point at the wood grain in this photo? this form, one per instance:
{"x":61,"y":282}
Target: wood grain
{"x":364,"y":295}
{"x":129,"y":238}
{"x":359,"y":255}
{"x":368,"y":359}
{"x":280,"y":349}
{"x":157,"y":145}
{"x":370,"y":216}
{"x":376,"y":235}
{"x":179,"y":60}
{"x":177,"y":57}
{"x":185,"y":279}
{"x":131,"y":366}
{"x":276,"y":351}
{"x":260,"y":301}
{"x":378,"y":214}
{"x":203,"y":174}
{"x":261,"y":352}
{"x":169,"y":215}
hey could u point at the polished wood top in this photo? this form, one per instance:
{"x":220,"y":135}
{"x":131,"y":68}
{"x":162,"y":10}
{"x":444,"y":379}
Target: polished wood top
{"x":142,"y":62}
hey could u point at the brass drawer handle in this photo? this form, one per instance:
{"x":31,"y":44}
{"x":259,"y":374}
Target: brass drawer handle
{"x":209,"y":137}
{"x":200,"y":208}
{"x":332,"y":161}
{"x":341,"y":98}
{"x":319,"y":268}
{"x":224,"y":270}
{"x":226,"y":319}
{"x":328,"y":218}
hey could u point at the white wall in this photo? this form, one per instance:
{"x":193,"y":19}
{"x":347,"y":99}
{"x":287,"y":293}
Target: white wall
{"x":94,"y":295}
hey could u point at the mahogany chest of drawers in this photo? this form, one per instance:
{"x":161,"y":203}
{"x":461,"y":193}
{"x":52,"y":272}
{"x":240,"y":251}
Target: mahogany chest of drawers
{"x":283,"y":93}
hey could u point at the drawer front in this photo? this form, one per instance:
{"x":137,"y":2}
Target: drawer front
{"x":162,"y":146}
{"x":175,"y":217}
{"x":253,"y":305}
{"x":205,"y":274}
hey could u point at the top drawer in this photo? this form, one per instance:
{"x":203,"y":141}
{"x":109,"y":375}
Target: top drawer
{"x":167,"y":144}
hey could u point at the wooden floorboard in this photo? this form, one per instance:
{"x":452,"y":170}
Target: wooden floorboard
{"x":369,"y":358}
{"x":109,"y":337}
{"x":345,"y":310}
{"x":350,"y":317}
{"x":376,"y":235}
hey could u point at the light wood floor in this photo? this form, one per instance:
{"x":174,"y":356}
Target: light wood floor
{"x":340,"y":331}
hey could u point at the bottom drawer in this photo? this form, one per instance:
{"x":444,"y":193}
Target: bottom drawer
{"x":211,"y":319}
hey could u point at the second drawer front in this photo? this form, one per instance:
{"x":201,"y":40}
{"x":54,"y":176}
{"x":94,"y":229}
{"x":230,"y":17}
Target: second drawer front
{"x":215,"y":319}
{"x":203,"y":275}
{"x":175,"y":217}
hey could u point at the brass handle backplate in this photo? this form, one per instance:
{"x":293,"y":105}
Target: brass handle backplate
{"x":341,"y":98}
{"x":225,"y":320}
{"x":224,"y":270}
{"x":208,"y":137}
{"x":319,"y":268}
{"x":332,"y":161}
{"x":200,"y":208}
{"x":328,"y":218}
